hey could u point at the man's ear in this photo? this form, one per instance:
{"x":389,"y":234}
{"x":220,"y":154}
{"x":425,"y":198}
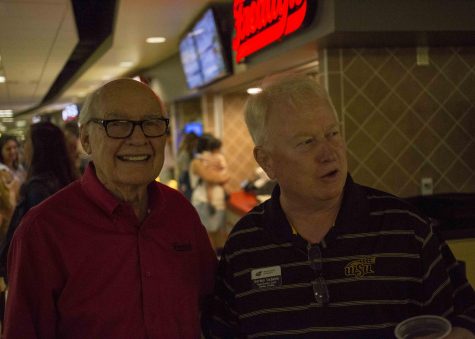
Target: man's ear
{"x":84,"y":136}
{"x":264,"y":160}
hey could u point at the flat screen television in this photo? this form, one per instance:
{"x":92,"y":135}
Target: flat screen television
{"x":70,"y":112}
{"x":195,"y":127}
{"x":205,"y":50}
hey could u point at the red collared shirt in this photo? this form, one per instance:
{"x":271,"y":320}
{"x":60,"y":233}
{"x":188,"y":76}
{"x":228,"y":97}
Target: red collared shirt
{"x":81,"y":265}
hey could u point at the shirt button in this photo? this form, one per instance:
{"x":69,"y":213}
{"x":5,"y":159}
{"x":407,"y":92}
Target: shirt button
{"x":148,"y":274}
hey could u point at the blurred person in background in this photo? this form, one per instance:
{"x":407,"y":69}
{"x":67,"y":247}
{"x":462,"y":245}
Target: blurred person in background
{"x":80,"y":158}
{"x":208,"y":174}
{"x":167,"y":174}
{"x":10,"y":157}
{"x":6,"y":210}
{"x":325,"y":257}
{"x":6,"y":204}
{"x":114,"y":254}
{"x":10,"y":160}
{"x":10,"y":185}
{"x":185,"y":154}
{"x":49,"y":169}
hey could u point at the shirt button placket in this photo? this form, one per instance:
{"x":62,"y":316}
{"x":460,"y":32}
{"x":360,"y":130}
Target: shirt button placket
{"x":146,"y":272}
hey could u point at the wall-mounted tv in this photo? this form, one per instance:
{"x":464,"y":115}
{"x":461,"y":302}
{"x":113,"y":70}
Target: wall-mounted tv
{"x":205,"y":48}
{"x":70,"y":112}
{"x":195,"y":127}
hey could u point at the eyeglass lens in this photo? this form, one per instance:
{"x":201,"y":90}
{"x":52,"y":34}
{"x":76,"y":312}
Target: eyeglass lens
{"x":320,"y":289}
{"x":124,"y":128}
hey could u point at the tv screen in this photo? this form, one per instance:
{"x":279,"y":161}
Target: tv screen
{"x":202,"y":52}
{"x":70,"y":112}
{"x":194,"y":127}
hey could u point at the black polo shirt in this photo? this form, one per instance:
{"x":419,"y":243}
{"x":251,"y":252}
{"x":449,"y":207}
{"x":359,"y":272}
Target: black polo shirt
{"x":381,"y":263}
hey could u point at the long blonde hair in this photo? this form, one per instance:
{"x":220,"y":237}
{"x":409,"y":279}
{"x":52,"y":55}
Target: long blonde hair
{"x":6,"y":208}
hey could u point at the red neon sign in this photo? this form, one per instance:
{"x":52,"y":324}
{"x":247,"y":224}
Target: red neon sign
{"x":259,"y":23}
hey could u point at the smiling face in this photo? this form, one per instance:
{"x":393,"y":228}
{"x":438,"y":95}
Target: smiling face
{"x":305,"y":153}
{"x":133,"y":162}
{"x":10,"y":152}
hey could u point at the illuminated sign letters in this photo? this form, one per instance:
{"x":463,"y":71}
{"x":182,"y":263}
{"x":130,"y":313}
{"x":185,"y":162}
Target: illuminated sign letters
{"x":259,"y":23}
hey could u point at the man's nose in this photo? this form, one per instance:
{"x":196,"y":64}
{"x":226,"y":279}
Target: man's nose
{"x":325,"y":151}
{"x":137,"y":133}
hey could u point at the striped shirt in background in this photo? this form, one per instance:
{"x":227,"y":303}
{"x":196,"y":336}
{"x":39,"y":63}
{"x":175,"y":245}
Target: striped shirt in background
{"x":381,"y":263}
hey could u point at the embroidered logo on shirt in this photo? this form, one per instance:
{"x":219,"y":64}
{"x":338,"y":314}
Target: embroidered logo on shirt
{"x":266,"y":277}
{"x":182,"y":247}
{"x":361,"y":267}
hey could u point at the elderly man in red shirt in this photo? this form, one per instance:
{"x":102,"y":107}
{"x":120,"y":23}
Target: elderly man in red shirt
{"x":115,"y":254}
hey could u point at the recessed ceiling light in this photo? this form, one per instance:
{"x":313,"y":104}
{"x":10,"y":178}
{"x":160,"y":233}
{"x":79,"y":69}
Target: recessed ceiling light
{"x":6,"y":113}
{"x":254,"y":90}
{"x":156,"y":40}
{"x":126,"y":64}
{"x":2,"y":79}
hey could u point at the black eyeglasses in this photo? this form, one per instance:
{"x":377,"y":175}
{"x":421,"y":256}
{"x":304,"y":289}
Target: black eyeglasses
{"x":320,"y":289}
{"x":121,"y":129}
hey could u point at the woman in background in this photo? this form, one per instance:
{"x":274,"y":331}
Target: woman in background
{"x":208,"y":174}
{"x":9,"y":156}
{"x":6,"y":204}
{"x":79,"y":157}
{"x":183,"y":159}
{"x":10,"y":162}
{"x":50,"y":168}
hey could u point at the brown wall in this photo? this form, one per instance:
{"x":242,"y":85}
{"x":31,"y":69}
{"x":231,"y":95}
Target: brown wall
{"x":237,"y":143}
{"x":404,"y":122}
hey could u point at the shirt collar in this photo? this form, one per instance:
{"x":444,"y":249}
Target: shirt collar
{"x":276,"y":225}
{"x":101,"y":196}
{"x":354,"y":211}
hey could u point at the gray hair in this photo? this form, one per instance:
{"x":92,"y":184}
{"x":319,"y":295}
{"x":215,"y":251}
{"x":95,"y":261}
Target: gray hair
{"x":291,"y":90}
{"x":88,"y":108}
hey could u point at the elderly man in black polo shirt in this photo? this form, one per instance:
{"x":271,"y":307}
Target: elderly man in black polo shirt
{"x":326,"y":257}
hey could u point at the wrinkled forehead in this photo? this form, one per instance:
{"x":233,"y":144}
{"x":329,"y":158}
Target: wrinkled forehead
{"x":289,"y":106}
{"x":127,"y":97}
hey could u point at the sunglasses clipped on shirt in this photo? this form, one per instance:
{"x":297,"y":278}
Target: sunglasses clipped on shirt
{"x":121,"y":128}
{"x":320,"y":289}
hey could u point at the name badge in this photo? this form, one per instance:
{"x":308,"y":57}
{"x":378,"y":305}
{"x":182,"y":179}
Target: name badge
{"x":265,"y":277}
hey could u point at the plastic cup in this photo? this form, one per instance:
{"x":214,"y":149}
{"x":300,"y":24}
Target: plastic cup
{"x":423,"y":326}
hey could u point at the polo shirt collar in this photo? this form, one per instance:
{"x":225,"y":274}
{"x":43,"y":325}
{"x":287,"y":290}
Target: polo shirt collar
{"x":102,"y":197}
{"x":277,"y":226}
{"x":354,"y":211}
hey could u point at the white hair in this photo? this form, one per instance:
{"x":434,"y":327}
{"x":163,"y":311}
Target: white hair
{"x":294,"y":90}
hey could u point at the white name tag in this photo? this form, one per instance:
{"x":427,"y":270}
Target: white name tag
{"x":265,"y":277}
